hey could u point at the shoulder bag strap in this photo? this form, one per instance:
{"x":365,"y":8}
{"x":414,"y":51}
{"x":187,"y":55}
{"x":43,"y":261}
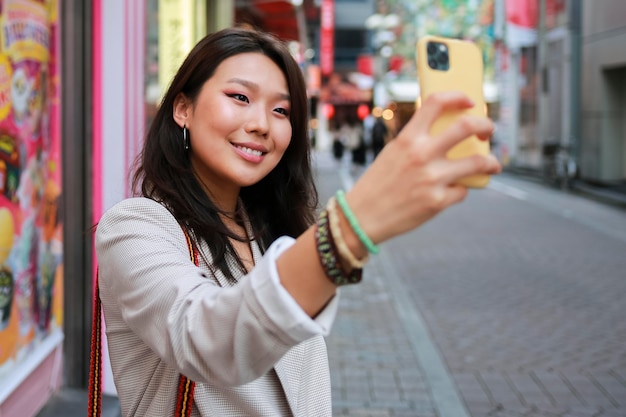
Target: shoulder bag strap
{"x":95,"y":361}
{"x":184,"y":400}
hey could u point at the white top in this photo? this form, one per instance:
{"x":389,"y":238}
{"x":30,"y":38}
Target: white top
{"x":250,"y":348}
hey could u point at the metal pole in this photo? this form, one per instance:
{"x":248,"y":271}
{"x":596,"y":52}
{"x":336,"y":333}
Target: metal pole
{"x":76,"y":95}
{"x":575,"y":83}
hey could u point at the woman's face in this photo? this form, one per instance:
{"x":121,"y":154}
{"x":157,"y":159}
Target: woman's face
{"x":239,"y":125}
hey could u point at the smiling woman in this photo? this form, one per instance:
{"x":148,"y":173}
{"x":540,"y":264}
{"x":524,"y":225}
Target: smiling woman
{"x":218,"y":282}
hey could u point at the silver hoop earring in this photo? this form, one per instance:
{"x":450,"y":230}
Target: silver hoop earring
{"x":185,"y":138}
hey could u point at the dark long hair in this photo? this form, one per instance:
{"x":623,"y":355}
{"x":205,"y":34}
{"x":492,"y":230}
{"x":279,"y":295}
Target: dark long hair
{"x":282,"y":203}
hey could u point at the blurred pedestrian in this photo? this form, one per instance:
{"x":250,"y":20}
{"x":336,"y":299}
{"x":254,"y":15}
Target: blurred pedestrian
{"x":379,"y":136}
{"x":352,"y":132}
{"x":337,"y":141}
{"x":368,"y":124}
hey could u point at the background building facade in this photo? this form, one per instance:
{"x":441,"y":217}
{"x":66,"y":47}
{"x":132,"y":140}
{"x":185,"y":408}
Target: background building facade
{"x":603,"y":92}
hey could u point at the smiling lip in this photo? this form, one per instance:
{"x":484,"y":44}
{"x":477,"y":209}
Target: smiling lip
{"x":250,"y":151}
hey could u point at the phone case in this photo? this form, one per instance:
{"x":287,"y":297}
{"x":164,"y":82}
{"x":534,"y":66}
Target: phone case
{"x":465,"y":73}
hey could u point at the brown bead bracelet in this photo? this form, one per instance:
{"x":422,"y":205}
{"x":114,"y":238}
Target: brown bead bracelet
{"x":328,"y":255}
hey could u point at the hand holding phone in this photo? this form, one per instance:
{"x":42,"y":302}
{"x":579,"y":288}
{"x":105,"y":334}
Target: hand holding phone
{"x":445,"y":64}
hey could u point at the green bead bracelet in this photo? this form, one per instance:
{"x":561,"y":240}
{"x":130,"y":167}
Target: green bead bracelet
{"x":347,"y":211}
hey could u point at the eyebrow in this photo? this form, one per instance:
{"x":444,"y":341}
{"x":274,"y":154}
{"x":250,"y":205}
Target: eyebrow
{"x":254,"y":86}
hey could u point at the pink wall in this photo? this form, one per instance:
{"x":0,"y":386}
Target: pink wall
{"x":36,"y":389}
{"x":118,"y":110}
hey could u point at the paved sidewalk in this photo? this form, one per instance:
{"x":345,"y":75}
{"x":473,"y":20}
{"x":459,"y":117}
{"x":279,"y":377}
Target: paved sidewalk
{"x":382,"y":359}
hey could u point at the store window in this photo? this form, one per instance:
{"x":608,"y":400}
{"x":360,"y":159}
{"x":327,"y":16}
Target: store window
{"x":172,"y":29}
{"x":31,"y":258}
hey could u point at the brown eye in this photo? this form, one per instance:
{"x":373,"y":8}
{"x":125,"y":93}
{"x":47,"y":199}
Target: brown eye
{"x":239,"y":97}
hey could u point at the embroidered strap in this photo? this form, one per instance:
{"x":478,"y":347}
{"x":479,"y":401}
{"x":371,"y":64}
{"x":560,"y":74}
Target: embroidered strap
{"x":186,"y":386}
{"x":95,"y":361}
{"x":185,"y":391}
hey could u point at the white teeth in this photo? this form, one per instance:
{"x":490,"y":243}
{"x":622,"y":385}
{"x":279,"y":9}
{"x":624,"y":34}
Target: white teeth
{"x":250,"y":151}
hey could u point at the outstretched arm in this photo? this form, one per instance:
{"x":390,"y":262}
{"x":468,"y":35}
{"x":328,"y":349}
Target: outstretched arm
{"x":410,"y":182}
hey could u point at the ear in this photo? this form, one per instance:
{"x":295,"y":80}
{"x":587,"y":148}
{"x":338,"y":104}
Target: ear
{"x":182,"y":109}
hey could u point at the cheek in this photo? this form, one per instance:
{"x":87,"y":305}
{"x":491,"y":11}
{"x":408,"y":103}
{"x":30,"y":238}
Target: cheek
{"x":222,"y":117}
{"x":216,"y":125}
{"x":285,"y":137}
{"x":215,"y":114}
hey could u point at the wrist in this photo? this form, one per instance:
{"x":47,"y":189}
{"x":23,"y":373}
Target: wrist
{"x":353,"y":242}
{"x":352,"y":253}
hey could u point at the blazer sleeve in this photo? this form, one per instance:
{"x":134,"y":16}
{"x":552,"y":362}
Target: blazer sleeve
{"x":219,"y":335}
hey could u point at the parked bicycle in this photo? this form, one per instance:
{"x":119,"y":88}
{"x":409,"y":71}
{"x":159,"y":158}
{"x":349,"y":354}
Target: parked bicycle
{"x":559,"y":168}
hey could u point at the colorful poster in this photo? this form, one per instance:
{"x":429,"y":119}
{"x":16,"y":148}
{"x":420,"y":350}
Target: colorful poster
{"x":31,"y":287}
{"x":464,"y":19}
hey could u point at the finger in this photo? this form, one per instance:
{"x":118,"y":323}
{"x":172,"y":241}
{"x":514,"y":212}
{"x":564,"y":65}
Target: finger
{"x":462,"y":128}
{"x":453,"y":170}
{"x":455,"y":194}
{"x":431,"y":109}
{"x":445,"y":196}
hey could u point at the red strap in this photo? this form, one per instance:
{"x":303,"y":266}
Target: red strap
{"x":95,"y":361}
{"x":184,"y":400}
{"x":186,"y":387}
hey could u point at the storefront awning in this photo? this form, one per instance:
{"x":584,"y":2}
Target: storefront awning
{"x":340,"y":91}
{"x":408,"y":90}
{"x":278,"y":17}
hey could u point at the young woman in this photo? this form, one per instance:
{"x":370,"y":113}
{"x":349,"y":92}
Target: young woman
{"x":220,"y":270}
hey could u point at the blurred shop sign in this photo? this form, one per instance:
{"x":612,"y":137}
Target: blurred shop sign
{"x":178,"y":32}
{"x":327,"y":41}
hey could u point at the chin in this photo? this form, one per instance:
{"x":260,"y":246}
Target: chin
{"x":247,"y":182}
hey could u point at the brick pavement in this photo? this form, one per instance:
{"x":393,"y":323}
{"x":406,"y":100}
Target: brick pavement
{"x":525,"y":298}
{"x":373,"y":369}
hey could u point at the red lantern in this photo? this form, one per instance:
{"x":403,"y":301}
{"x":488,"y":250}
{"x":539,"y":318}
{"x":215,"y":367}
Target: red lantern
{"x":329,"y":111}
{"x":362,"y":111}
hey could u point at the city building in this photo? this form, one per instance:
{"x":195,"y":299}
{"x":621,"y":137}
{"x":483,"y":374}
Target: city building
{"x":602,"y":98}
{"x":561,"y":69}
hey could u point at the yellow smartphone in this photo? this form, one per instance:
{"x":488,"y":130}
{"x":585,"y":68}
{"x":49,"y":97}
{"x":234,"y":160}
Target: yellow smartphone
{"x":445,"y":64}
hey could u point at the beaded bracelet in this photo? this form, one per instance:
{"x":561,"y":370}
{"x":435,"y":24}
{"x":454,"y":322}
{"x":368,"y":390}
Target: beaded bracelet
{"x":335,"y":230}
{"x":328,"y":255}
{"x":347,"y":211}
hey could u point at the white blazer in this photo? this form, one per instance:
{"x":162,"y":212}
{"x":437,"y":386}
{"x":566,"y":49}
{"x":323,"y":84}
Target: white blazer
{"x":250,"y":348}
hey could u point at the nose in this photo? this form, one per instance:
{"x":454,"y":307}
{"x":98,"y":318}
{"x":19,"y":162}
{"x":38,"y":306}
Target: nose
{"x":258,"y":121}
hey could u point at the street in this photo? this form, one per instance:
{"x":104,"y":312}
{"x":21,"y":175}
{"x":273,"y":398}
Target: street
{"x":509,"y":304}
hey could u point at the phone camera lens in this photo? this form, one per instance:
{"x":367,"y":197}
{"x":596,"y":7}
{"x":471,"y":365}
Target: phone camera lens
{"x":442,"y":59}
{"x":437,"y":54}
